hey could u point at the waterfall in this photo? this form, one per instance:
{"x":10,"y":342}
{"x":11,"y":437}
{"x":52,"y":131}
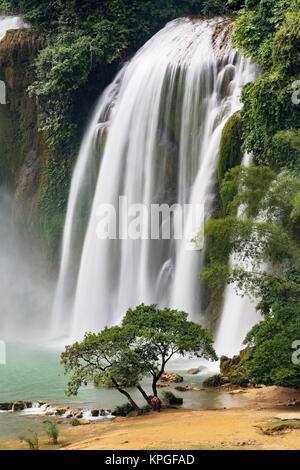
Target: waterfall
{"x":238,"y":315}
{"x":154,"y":138}
{"x":11,"y":22}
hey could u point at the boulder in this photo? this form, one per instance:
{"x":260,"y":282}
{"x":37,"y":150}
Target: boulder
{"x":95,"y":412}
{"x":19,"y":405}
{"x":61,"y":411}
{"x":6,"y":406}
{"x":188,"y":388}
{"x":196,"y":370}
{"x":169,"y":377}
{"x":84,"y":421}
{"x":214,"y":381}
{"x":78,"y":415}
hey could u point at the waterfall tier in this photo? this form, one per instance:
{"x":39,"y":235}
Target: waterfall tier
{"x":154,"y":138}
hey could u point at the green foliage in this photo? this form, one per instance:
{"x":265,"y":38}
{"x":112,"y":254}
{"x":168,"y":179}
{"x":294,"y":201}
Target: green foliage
{"x":53,"y":200}
{"x":106,"y":354}
{"x":163,"y":333}
{"x":75,"y":422}
{"x":143,"y":345}
{"x":214,"y":7}
{"x":52,"y":431}
{"x":230,"y":145}
{"x":123,"y":410}
{"x":269,"y":31}
{"x":214,"y":381}
{"x":80,"y":37}
{"x":171,"y":399}
{"x":270,"y":361}
{"x":266,"y":230}
{"x":32,"y":441}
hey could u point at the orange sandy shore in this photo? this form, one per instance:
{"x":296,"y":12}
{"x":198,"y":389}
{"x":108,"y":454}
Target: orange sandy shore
{"x":235,"y":428}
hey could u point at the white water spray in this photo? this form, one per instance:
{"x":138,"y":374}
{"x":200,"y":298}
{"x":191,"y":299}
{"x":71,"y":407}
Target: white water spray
{"x":154,"y":137}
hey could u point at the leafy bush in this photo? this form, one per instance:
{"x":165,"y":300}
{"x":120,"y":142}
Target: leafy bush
{"x":269,"y":31}
{"x":75,"y":422}
{"x":52,"y":431}
{"x":171,"y":399}
{"x":124,"y":410}
{"x":31,"y":441}
{"x":214,"y":381}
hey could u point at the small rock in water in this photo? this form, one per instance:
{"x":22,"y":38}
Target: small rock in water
{"x":196,"y":370}
{"x":19,"y":405}
{"x":61,"y":411}
{"x":95,"y":412}
{"x":6,"y":406}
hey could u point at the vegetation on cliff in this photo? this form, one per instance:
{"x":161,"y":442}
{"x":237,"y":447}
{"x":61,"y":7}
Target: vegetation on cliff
{"x":82,"y":44}
{"x":269,"y":31}
{"x":79,"y":48}
{"x":230,"y":152}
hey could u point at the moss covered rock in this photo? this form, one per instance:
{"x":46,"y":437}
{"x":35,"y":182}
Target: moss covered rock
{"x":230,"y":152}
{"x":233,"y":368}
{"x":214,"y":381}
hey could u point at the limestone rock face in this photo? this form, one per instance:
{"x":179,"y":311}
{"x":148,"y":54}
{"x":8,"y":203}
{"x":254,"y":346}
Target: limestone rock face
{"x":231,"y":372}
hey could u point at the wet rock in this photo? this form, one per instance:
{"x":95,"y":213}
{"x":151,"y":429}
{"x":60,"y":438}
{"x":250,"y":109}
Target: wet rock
{"x":102,"y":413}
{"x":84,"y":421}
{"x":188,"y":388}
{"x":6,"y":406}
{"x":95,"y":412}
{"x":19,"y":405}
{"x":78,"y":415}
{"x":170,"y":377}
{"x":75,"y":422}
{"x":196,"y":370}
{"x":214,"y":381}
{"x":60,"y":411}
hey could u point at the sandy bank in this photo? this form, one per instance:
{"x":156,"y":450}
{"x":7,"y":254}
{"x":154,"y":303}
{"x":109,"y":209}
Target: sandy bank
{"x":236,"y":428}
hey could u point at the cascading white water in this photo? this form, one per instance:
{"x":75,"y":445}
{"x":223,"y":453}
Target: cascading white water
{"x":238,"y":314}
{"x":155,"y":137}
{"x":11,"y":22}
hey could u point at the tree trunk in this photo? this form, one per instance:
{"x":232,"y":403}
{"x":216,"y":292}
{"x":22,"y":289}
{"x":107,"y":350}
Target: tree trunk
{"x":154,"y":386}
{"x":144,"y":394}
{"x":133,"y":404}
{"x":156,"y":379}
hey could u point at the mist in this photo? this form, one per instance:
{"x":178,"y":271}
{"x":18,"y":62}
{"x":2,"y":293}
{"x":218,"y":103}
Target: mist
{"x":26,"y":289}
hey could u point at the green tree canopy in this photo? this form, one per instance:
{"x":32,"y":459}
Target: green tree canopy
{"x":161,"y":334}
{"x":143,"y":345}
{"x":263,"y":234}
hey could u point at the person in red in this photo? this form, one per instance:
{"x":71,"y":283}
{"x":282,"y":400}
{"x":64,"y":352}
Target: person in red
{"x":156,"y":404}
